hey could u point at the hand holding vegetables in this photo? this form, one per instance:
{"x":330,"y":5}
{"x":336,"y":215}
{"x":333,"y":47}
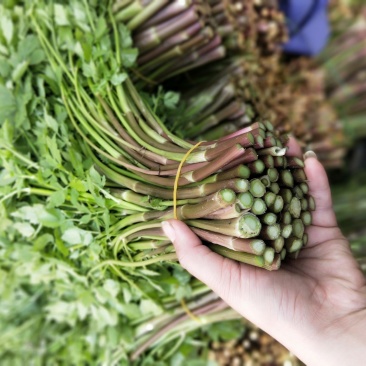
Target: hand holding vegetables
{"x":315,"y":306}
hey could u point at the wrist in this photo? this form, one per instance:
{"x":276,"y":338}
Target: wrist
{"x":343,"y":342}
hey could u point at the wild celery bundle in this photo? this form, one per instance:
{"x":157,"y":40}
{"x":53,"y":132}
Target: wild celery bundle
{"x":177,"y":36}
{"x":240,"y":192}
{"x":87,"y":174}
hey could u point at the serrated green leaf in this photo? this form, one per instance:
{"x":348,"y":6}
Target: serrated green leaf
{"x":25,"y":229}
{"x":51,"y":122}
{"x":51,"y":217}
{"x":76,"y":236}
{"x":96,"y":177}
{"x":19,"y":70}
{"x":85,"y":219}
{"x":89,"y":70}
{"x":171,"y":99}
{"x":7,"y":28}
{"x":101,"y":28}
{"x":182,"y":275}
{"x":54,"y":150}
{"x":61,"y":17}
{"x":124,"y":36}
{"x":42,"y":241}
{"x":129,"y":56}
{"x":132,"y":311}
{"x":104,"y":317}
{"x":78,"y":185}
{"x":118,"y":79}
{"x":6,"y":178}
{"x":56,"y":199}
{"x":8,"y":106}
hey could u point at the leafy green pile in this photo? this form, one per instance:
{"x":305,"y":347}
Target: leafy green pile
{"x":56,"y":214}
{"x":63,"y":297}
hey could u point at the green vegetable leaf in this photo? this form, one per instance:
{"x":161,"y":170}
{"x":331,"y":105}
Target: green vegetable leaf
{"x":7,"y":28}
{"x":129,"y":56}
{"x":118,"y":78}
{"x":171,"y":100}
{"x":8,"y":104}
{"x":56,"y":199}
{"x":74,"y":236}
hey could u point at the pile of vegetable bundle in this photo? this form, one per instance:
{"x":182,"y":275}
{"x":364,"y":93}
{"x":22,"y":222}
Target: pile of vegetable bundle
{"x":290,"y":93}
{"x":65,"y":92}
{"x":88,"y":169}
{"x":344,"y":66}
{"x":174,"y":39}
{"x":178,"y":36}
{"x":57,"y":215}
{"x":254,"y":347}
{"x":240,"y":192}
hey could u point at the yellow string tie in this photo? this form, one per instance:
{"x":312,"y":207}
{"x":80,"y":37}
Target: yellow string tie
{"x":143,"y":77}
{"x":178,"y":176}
{"x":189,"y":313}
{"x":183,"y":303}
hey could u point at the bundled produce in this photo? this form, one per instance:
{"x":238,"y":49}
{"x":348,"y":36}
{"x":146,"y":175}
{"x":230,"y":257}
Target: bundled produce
{"x":89,"y":169}
{"x":65,"y":297}
{"x":172,"y":37}
{"x":205,"y":32}
{"x":177,"y":36}
{"x":240,"y":192}
{"x":57,"y":215}
{"x":344,"y":66}
{"x":290,"y":93}
{"x":254,"y":348}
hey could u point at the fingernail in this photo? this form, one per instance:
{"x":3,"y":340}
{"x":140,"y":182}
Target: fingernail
{"x":168,"y":230}
{"x":310,"y":154}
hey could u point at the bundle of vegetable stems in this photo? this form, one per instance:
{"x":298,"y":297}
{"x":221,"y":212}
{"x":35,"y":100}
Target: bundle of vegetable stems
{"x":240,"y":193}
{"x":253,"y":87}
{"x":342,"y":201}
{"x":179,"y":36}
{"x":259,"y":83}
{"x":344,"y":65}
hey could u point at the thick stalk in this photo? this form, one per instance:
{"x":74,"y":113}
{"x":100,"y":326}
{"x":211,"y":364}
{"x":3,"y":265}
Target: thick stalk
{"x":231,"y":212}
{"x":259,"y":207}
{"x":277,"y":244}
{"x":246,"y":226}
{"x":253,"y":246}
{"x":254,"y":260}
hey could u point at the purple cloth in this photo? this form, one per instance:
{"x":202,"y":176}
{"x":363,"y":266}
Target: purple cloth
{"x":308,"y":25}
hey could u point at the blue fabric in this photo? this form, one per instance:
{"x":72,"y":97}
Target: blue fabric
{"x":308,"y":25}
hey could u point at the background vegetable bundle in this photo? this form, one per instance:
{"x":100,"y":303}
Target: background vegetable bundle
{"x":63,"y":297}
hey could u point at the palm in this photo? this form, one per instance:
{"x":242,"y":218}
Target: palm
{"x":324,"y":281}
{"x":323,"y":290}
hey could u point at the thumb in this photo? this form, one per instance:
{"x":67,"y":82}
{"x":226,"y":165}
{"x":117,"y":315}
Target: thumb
{"x":319,"y":188}
{"x":219,"y":273}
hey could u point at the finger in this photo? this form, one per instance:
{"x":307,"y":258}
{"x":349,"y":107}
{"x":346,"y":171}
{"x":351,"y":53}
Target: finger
{"x":249,"y":290}
{"x":318,"y":235}
{"x":229,"y":279}
{"x":294,"y":149}
{"x":211,"y":268}
{"x":320,"y":190}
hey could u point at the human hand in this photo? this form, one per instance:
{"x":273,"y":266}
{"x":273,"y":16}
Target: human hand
{"x":314,"y":305}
